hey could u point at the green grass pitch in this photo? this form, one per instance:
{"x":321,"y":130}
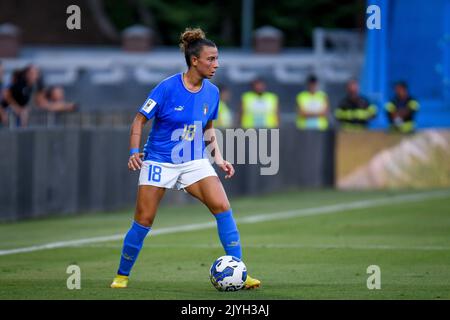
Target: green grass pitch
{"x":317,"y":256}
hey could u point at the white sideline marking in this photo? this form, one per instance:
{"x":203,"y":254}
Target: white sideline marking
{"x":288,"y":246}
{"x":335,"y":208}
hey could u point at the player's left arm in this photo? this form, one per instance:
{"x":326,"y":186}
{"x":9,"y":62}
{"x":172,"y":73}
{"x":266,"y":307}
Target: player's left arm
{"x":218,"y":159}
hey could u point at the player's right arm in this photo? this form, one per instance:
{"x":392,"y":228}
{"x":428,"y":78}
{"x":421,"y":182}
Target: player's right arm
{"x":135,"y":161}
{"x":147,"y":111}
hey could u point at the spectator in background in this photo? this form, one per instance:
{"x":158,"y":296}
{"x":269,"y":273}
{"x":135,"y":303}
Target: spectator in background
{"x":354,"y":111}
{"x":312,"y":107}
{"x":55,"y":100}
{"x":225,"y":117}
{"x":401,"y":109}
{"x":56,"y":104}
{"x":25,"y":84}
{"x":259,"y":108}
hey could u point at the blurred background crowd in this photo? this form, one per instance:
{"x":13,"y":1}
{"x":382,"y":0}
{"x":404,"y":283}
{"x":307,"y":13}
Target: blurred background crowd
{"x":313,"y":64}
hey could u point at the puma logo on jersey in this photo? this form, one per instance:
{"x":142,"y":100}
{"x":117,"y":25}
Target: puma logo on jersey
{"x":179,"y":108}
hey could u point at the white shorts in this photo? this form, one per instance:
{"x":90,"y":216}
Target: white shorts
{"x":175,"y":176}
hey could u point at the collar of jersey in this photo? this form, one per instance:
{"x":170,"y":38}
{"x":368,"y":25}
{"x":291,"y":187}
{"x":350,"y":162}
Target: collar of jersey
{"x":193,"y":92}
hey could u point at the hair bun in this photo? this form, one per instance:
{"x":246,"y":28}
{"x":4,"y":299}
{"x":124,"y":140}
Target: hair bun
{"x":189,"y":36}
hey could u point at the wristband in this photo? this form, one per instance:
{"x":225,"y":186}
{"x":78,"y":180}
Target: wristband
{"x":133,"y":151}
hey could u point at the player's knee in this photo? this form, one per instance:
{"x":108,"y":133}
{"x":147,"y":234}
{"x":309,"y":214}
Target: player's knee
{"x":220,"y":206}
{"x":144,"y":220}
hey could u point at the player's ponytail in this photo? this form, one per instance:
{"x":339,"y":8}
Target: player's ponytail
{"x":191,"y":43}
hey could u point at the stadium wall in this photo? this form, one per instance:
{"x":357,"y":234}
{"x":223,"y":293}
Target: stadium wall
{"x":387,"y":160}
{"x":65,"y":171}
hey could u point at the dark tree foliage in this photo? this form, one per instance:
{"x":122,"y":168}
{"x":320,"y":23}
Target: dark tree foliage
{"x":221,"y":19}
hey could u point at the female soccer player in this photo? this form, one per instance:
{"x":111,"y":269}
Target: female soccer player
{"x":183,"y":107}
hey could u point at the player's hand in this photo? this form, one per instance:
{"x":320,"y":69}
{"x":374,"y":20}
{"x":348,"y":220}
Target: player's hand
{"x":228,"y":168}
{"x":135,"y":161}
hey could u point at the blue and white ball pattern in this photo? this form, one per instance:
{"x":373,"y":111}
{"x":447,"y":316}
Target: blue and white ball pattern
{"x":228,"y":273}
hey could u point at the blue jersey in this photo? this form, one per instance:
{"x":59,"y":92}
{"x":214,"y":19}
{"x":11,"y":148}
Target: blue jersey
{"x":180,"y":117}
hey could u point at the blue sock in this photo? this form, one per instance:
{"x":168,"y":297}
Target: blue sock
{"x":228,"y":233}
{"x":132,"y":245}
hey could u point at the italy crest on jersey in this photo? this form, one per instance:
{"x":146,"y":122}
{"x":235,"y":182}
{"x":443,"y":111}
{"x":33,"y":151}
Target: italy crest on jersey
{"x":205,"y":109}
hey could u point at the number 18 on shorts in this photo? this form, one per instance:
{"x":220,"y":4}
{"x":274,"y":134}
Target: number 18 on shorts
{"x":154,"y":173}
{"x":175,"y":176}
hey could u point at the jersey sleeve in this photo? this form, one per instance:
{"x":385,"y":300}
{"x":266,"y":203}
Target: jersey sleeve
{"x":154,"y":100}
{"x":215,"y":112}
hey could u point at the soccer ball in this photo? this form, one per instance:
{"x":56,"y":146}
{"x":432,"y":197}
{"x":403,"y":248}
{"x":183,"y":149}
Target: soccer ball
{"x":228,"y":273}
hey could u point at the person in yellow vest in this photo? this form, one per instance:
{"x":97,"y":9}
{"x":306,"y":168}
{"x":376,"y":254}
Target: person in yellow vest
{"x":312,"y":107}
{"x":354,"y":112}
{"x":259,"y":108}
{"x":401,"y":110}
{"x":225,"y":116}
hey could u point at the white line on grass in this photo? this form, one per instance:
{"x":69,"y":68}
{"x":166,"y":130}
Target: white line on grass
{"x":286,"y":246}
{"x":335,"y":208}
